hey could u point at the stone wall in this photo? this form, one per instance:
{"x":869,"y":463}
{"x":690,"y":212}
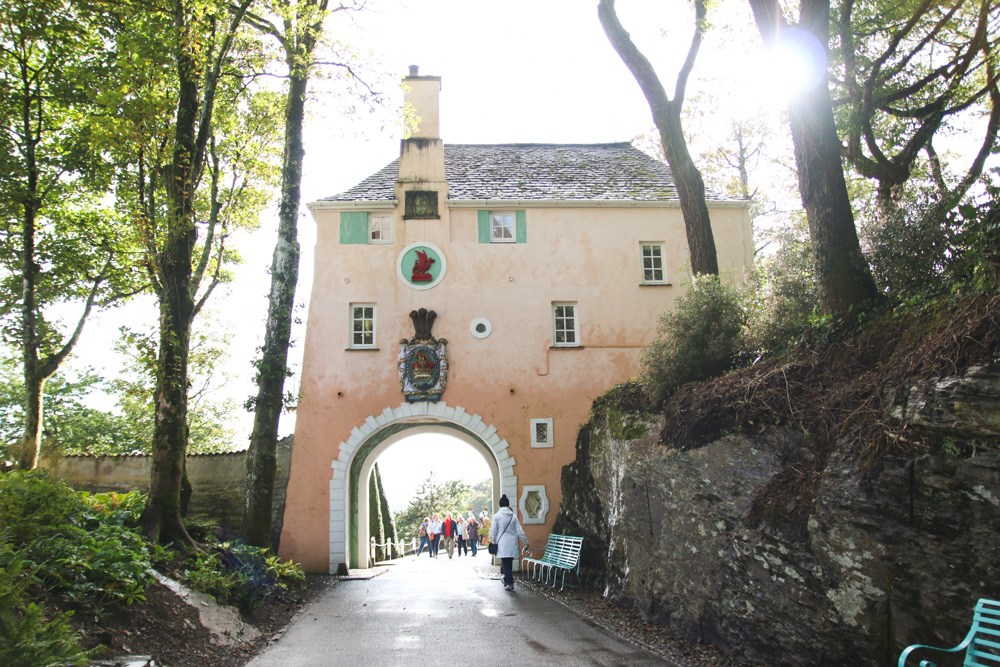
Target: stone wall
{"x":838,"y":567}
{"x":217,"y":482}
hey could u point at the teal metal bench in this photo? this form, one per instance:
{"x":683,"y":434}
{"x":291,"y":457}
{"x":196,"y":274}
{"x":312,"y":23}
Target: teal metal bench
{"x":562,"y":555}
{"x":981,"y":645}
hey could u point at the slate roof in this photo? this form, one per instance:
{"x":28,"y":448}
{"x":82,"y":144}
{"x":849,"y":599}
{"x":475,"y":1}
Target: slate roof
{"x":538,"y":172}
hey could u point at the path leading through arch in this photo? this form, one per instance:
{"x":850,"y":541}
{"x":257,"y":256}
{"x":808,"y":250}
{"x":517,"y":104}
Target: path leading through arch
{"x":349,"y":486}
{"x":441,"y":611}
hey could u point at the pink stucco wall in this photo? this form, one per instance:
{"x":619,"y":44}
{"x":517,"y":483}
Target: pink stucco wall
{"x":586,"y":255}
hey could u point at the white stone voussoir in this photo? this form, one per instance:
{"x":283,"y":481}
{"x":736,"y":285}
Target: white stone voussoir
{"x":500,"y":448}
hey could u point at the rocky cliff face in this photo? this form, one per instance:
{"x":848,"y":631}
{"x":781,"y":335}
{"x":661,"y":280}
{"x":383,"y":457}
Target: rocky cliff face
{"x":788,"y":552}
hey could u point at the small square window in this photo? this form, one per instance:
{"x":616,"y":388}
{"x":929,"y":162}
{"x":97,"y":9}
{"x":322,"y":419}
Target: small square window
{"x":565,"y":325}
{"x":652,"y":263}
{"x":541,"y":433}
{"x":362,"y":325}
{"x":502,"y":228}
{"x":379,"y":229}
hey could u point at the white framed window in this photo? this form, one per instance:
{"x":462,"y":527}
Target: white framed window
{"x":565,"y":324}
{"x":653,"y":272}
{"x":534,"y":503}
{"x":502,"y":228}
{"x":362,"y":326}
{"x":541,"y":432}
{"x":379,"y":229}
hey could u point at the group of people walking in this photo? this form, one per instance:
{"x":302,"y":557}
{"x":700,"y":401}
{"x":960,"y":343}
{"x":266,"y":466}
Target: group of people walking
{"x":505,"y":531}
{"x":457,"y":534}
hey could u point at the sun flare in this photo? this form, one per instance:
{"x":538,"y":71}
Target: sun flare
{"x":795,"y":64}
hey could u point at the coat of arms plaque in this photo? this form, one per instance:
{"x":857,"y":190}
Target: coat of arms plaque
{"x":423,"y":361}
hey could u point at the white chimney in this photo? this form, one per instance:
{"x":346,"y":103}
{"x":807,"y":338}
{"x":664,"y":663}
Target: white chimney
{"x":422,"y":94}
{"x":421,"y":156}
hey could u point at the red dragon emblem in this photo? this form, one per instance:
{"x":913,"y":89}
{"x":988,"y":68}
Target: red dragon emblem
{"x":421,"y":268}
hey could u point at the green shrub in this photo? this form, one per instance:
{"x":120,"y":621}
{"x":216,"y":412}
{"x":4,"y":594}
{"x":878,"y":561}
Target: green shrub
{"x":91,"y":568}
{"x":241,"y":574}
{"x":702,"y":338}
{"x":77,"y":545}
{"x":117,"y":508}
{"x":786,"y":298}
{"x":208,"y":576}
{"x":35,"y":506}
{"x":27,"y":637}
{"x":927,"y":247}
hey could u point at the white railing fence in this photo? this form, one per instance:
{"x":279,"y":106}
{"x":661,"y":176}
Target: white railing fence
{"x":404,"y":547}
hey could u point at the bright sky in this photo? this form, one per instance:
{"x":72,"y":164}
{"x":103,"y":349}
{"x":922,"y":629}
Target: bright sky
{"x":512,"y":71}
{"x":406,"y":464}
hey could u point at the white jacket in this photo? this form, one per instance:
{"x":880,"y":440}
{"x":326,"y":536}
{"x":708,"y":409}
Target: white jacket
{"x":506,"y":521}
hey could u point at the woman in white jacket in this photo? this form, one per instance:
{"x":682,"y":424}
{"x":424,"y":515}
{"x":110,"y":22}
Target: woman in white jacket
{"x":505,"y":530}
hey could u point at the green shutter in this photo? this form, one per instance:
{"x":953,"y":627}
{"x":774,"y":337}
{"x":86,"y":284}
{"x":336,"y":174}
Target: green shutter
{"x":484,"y":226}
{"x":521,"y":226}
{"x":353,"y":227}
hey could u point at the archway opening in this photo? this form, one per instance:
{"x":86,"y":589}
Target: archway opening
{"x":349,"y":503}
{"x":431,"y":473}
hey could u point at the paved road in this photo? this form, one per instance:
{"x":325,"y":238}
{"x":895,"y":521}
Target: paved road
{"x":450,"y":612}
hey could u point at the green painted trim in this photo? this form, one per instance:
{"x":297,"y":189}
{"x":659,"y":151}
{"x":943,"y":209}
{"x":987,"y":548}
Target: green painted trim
{"x":353,"y":227}
{"x":521,"y":226}
{"x":354,"y":477}
{"x":484,"y":226}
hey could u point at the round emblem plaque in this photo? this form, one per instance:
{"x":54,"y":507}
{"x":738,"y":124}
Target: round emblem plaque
{"x":421,"y":265}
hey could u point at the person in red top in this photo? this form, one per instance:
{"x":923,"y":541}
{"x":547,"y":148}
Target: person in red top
{"x":449,"y":530}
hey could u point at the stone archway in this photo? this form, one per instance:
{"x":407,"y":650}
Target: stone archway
{"x":349,"y":483}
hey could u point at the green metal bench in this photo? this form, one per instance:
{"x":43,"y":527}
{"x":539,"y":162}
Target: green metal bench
{"x":981,"y":645}
{"x":562,"y":555}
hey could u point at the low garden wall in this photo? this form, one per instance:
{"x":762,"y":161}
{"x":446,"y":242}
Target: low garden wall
{"x":217,"y":482}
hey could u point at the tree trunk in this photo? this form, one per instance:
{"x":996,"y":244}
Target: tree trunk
{"x":161,"y":519}
{"x":33,"y":379}
{"x":196,"y":92}
{"x":691,"y":192}
{"x":31,"y":443}
{"x":667,"y":117}
{"x":272,"y":368}
{"x":844,"y":276}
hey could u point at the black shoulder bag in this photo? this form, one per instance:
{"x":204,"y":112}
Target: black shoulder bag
{"x":492,"y":546}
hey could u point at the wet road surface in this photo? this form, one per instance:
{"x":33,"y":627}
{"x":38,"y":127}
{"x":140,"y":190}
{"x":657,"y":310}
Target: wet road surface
{"x":441,"y":611}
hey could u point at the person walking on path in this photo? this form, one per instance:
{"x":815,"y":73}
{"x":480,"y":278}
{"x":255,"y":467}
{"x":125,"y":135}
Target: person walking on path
{"x":448,"y":531}
{"x":435,"y":533}
{"x":461,"y":535}
{"x":425,"y":539}
{"x":505,"y":530}
{"x":472,"y":533}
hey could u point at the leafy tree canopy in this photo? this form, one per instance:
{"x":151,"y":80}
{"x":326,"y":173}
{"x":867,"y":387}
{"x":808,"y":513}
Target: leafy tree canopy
{"x":433,"y":497}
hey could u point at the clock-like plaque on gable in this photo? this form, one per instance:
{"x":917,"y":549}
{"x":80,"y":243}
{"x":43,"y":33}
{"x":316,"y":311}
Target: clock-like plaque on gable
{"x":421,"y":265}
{"x":421,"y":204}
